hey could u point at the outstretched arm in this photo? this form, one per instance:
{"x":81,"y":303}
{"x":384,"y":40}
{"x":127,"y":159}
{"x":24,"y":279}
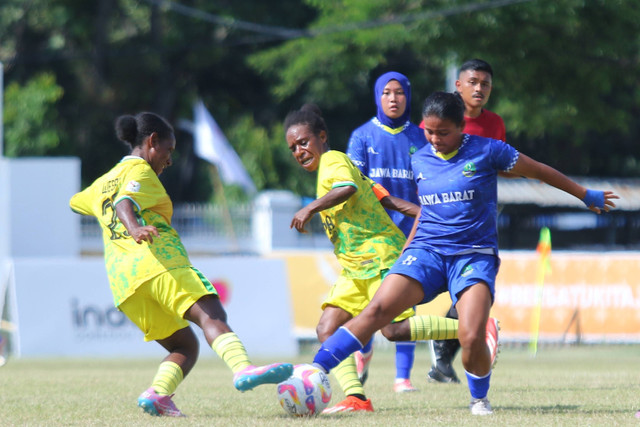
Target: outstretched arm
{"x":594,"y":200}
{"x":400,"y":205}
{"x":332,"y":198}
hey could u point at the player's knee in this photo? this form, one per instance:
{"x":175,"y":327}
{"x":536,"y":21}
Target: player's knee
{"x":391,"y":335}
{"x":394,"y":332}
{"x":324,"y":331}
{"x":471,"y":339}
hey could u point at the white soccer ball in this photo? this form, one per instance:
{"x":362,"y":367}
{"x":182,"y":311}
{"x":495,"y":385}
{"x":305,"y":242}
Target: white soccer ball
{"x":306,"y":392}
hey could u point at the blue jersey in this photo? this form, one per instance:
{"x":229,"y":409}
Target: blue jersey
{"x":459,"y":195}
{"x":384,"y":155}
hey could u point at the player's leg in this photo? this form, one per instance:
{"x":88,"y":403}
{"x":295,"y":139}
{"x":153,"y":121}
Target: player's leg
{"x":473,"y":306}
{"x":443,"y":352}
{"x":183,"y":351}
{"x":345,"y":299}
{"x":396,"y":294}
{"x":174,"y":334}
{"x":405,"y":356}
{"x":417,"y":328}
{"x":208,"y":313}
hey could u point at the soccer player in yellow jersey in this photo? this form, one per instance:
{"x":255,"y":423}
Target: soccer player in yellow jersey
{"x":151,"y":277}
{"x":366,"y":243}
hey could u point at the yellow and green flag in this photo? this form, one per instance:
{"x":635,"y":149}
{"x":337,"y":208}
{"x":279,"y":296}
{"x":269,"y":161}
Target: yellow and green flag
{"x":544,"y":268}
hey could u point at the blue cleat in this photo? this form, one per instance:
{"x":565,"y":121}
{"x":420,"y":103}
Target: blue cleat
{"x":253,"y":376}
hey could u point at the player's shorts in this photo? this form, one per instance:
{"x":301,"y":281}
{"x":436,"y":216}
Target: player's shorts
{"x":441,"y":273}
{"x":353,"y":295}
{"x":158,"y":305}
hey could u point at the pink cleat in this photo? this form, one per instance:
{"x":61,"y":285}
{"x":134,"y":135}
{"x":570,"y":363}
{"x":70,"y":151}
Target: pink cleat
{"x":403,"y":386}
{"x":159,"y":406}
{"x":493,"y":327}
{"x":362,"y":365}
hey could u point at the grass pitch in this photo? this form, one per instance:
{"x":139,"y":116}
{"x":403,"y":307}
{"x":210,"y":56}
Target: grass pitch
{"x":561,"y":386}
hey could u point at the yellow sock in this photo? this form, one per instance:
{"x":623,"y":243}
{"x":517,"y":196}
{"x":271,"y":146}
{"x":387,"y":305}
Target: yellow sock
{"x":347,"y":375}
{"x":231,"y":351}
{"x":433,"y":328}
{"x":167,"y":379}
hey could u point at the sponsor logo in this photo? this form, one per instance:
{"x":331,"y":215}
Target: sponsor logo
{"x":371,"y":150}
{"x":93,"y":322}
{"x":469,"y":170}
{"x":452,"y":196}
{"x":390,"y":173}
{"x":409,"y":260}
{"x":133,"y":186}
{"x":467,"y":271}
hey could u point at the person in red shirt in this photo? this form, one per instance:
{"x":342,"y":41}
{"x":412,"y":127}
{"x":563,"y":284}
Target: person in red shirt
{"x":474,"y":84}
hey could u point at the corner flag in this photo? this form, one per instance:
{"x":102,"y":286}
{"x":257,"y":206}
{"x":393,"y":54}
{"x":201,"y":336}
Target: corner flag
{"x":211,"y":145}
{"x":544,"y":267}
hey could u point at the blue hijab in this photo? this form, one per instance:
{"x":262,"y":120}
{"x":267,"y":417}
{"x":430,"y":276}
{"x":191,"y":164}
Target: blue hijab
{"x":379,"y":88}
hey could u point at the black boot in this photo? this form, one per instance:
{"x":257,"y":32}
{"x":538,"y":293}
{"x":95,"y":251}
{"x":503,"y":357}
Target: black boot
{"x":443,"y":352}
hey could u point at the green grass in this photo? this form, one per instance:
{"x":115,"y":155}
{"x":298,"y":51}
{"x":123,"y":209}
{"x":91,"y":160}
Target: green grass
{"x":562,"y":386}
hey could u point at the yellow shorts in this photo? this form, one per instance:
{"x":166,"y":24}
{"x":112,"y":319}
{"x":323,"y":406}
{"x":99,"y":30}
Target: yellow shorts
{"x":353,"y":295}
{"x":157,"y":306}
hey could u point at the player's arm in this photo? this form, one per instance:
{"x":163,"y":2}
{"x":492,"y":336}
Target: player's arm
{"x":395,"y":203}
{"x":127,"y":215}
{"x":413,"y":232}
{"x":333,"y":198}
{"x":593,"y":199}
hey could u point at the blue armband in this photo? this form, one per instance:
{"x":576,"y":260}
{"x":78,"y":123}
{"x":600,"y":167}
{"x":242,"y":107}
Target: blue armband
{"x":595,"y":198}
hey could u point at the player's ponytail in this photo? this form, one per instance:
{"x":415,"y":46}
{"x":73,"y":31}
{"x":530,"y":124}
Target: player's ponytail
{"x":133,"y":130}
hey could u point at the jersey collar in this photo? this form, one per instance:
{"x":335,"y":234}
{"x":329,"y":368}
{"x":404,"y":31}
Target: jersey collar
{"x":392,"y":131}
{"x":465,"y":138}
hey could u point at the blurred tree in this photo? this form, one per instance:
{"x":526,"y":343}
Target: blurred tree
{"x":30,"y":117}
{"x":565,"y":74}
{"x":565,"y":70}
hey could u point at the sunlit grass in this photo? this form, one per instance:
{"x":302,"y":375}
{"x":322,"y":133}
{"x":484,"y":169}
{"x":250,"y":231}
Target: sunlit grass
{"x":587,"y":385}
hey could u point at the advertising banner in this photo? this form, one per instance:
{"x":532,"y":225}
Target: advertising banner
{"x":592,"y":297}
{"x":65,"y":308}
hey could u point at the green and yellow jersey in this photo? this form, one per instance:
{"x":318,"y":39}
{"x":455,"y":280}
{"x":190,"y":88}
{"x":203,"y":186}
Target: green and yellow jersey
{"x":128,"y":263}
{"x":365,"y":239}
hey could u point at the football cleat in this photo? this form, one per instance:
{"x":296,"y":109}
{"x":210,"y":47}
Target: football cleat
{"x":480,"y":407}
{"x":253,"y":376}
{"x":156,"y":405}
{"x":351,"y":404}
{"x":442,"y":354}
{"x":403,"y":386}
{"x":362,"y":365}
{"x":493,"y":326}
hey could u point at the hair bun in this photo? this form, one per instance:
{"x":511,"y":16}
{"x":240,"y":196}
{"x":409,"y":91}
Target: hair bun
{"x":311,"y":108}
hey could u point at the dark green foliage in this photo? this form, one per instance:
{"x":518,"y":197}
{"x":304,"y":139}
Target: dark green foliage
{"x":565,"y":75}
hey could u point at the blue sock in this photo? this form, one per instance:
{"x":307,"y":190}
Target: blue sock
{"x":336,"y":348}
{"x":367,"y":347}
{"x":405,"y":354}
{"x":478,"y":386}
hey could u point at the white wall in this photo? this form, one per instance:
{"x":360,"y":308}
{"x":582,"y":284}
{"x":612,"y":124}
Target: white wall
{"x":35,"y":217}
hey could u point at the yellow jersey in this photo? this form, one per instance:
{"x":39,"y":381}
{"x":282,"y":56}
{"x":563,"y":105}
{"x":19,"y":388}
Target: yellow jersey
{"x":365,"y":238}
{"x":128,"y":263}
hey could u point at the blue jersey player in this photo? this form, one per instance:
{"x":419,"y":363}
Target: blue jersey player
{"x":382,"y":149}
{"x":453,"y":244}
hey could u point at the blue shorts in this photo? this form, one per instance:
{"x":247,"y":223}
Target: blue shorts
{"x":441,"y":273}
